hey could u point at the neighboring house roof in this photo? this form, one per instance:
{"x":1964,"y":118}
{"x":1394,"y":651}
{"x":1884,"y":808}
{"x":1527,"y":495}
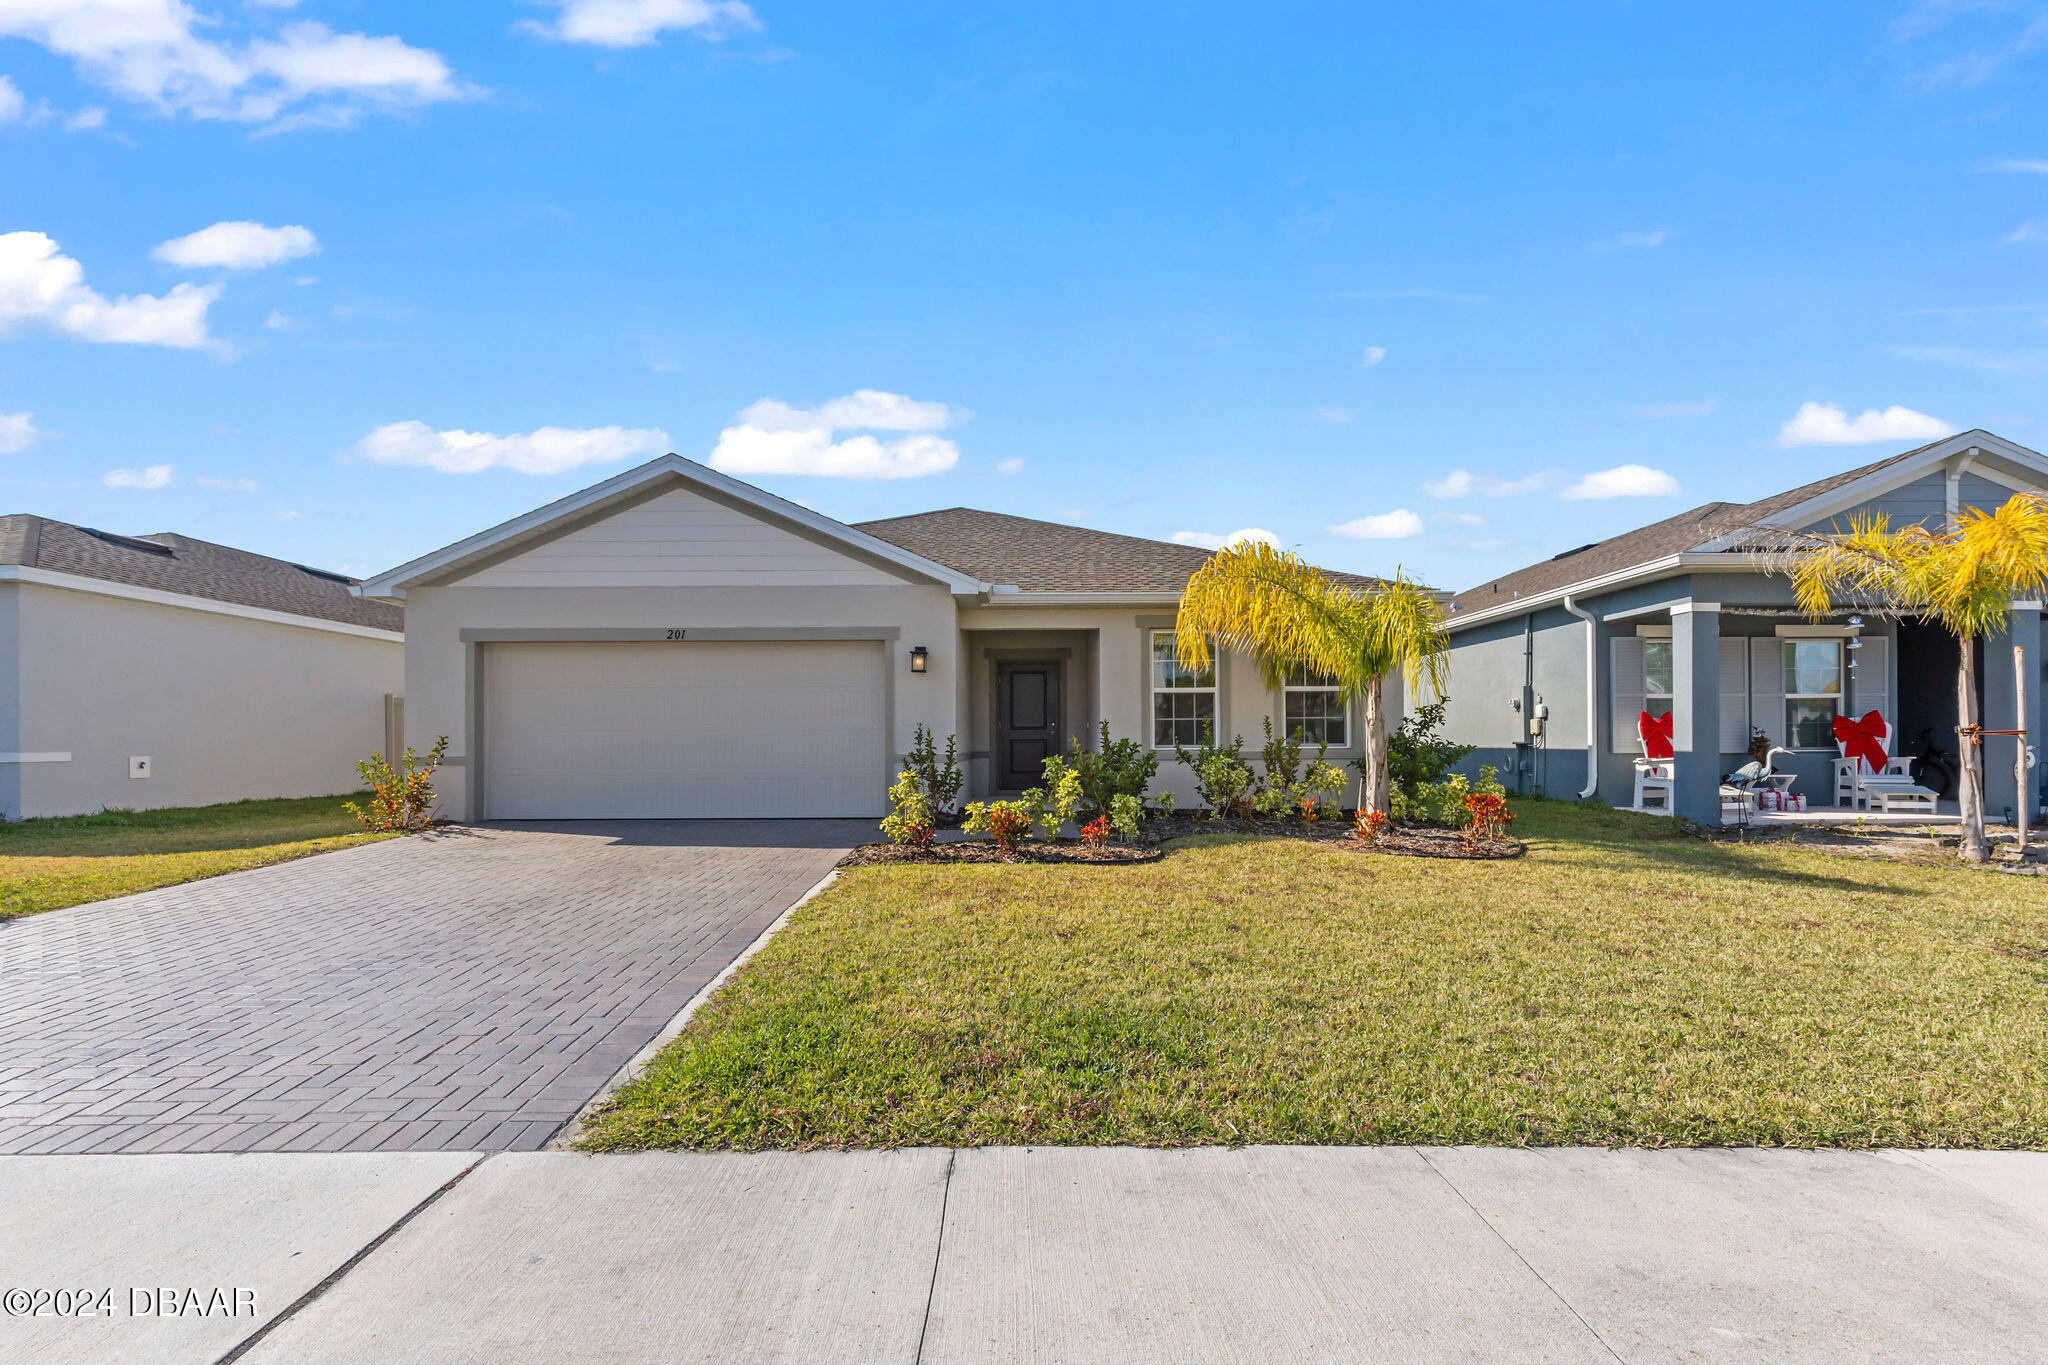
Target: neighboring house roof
{"x":1698,"y":529}
{"x":1046,"y":556}
{"x":172,"y":563}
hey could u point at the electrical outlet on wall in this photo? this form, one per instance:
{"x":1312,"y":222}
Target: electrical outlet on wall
{"x":138,"y":766}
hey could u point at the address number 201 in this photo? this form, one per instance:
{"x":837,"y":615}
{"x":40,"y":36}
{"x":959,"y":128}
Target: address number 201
{"x":673,"y":635}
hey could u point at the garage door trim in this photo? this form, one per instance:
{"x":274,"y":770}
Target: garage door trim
{"x":472,"y":757}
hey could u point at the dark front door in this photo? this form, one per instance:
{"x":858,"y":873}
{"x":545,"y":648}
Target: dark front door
{"x":1027,"y":720}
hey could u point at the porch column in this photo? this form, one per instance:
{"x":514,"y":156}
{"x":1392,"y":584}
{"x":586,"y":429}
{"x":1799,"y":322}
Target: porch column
{"x":1696,"y":710}
{"x":2001,"y":710}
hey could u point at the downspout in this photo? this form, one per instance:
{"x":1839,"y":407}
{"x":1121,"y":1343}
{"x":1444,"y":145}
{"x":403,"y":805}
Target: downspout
{"x":1592,"y":697}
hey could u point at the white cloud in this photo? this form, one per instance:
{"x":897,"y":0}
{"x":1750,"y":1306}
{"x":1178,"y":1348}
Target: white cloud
{"x":1398,"y":524}
{"x":2021,"y":166}
{"x":1623,"y":481}
{"x":39,"y":284}
{"x":12,"y":105}
{"x":2033,"y":230}
{"x":153,"y":52}
{"x":1330,"y":414}
{"x":281,"y":321}
{"x":637,"y":23}
{"x":1462,"y":483}
{"x":545,"y":450}
{"x":1013,"y":465}
{"x":1204,"y":540}
{"x":1458,"y":519}
{"x":1656,"y":411}
{"x":86,"y":120}
{"x":1824,"y":424}
{"x":17,"y":432}
{"x":772,"y":437}
{"x":286,"y":514}
{"x":237,"y":245}
{"x":1633,"y":241}
{"x":155,"y":476}
{"x":1372,"y":356}
{"x":227,"y":485}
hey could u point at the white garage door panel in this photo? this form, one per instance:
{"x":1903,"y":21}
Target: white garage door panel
{"x":617,"y":731}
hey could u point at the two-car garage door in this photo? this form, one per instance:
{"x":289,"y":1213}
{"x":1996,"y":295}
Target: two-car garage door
{"x":631,"y":730}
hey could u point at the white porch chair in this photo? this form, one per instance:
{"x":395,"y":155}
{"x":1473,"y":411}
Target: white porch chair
{"x":1656,"y":767}
{"x":1861,"y":786}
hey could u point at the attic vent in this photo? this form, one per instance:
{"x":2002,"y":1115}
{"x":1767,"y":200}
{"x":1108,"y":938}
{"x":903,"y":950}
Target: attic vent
{"x":1579,"y":551}
{"x":149,"y":547}
{"x":322,"y":573}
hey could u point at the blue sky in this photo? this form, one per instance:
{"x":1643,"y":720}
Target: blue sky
{"x":1449,"y":288}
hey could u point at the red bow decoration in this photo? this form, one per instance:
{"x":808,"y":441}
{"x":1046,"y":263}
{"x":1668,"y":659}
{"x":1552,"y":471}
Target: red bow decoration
{"x":1656,"y":733}
{"x":1863,"y":739}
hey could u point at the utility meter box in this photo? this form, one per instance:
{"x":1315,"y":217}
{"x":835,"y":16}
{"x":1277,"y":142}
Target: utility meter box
{"x":138,"y":765}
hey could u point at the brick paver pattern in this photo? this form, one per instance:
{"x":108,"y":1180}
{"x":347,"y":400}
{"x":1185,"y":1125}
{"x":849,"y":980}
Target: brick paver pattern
{"x":468,"y":989}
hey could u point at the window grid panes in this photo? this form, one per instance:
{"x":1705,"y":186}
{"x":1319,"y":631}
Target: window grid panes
{"x":1183,"y":700}
{"x":1314,"y":707}
{"x":1657,"y":675}
{"x":1813,"y":692}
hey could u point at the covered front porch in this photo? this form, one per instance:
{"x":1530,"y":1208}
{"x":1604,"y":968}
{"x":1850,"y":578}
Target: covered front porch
{"x":1743,"y":681}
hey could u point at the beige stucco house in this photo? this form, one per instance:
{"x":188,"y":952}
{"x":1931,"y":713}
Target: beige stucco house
{"x":673,"y":642}
{"x":148,"y":671}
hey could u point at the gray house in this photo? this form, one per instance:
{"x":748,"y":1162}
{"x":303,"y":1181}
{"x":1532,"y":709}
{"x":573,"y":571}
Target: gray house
{"x":1552,"y":665}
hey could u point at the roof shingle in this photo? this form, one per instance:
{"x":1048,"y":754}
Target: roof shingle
{"x":1645,"y":544}
{"x":195,"y":568}
{"x":1045,"y":556}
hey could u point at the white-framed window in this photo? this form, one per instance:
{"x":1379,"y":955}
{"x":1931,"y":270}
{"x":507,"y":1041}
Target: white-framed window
{"x":1310,"y":703}
{"x":1183,"y":700}
{"x":1813,"y":692}
{"x":1657,"y":676}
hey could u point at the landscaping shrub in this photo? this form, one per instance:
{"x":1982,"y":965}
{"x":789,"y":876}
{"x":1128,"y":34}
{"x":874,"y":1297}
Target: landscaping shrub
{"x":1096,"y":832}
{"x":1281,"y":758}
{"x":401,"y":801}
{"x":1222,"y":778}
{"x":1417,"y":756}
{"x":1055,"y":803}
{"x":1006,"y":822}
{"x":1489,"y":816}
{"x":1125,"y":811}
{"x":938,"y":779}
{"x":1318,"y":787}
{"x":1371,"y":825}
{"x":1443,"y":803}
{"x":912,"y":817}
{"x":1120,"y":767}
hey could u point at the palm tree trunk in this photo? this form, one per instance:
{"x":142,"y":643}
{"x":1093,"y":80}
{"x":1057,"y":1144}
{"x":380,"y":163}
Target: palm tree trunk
{"x":1970,"y":757}
{"x":1376,"y":784}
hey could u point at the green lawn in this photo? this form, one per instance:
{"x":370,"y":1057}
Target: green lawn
{"x":1621,"y":984}
{"x":48,"y":864}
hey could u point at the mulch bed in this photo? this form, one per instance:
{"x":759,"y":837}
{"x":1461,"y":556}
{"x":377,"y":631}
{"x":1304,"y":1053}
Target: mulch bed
{"x":1410,"y":841}
{"x":985,"y":851}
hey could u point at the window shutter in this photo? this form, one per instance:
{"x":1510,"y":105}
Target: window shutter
{"x":1625,"y":689}
{"x":1872,"y":690}
{"x":1734,"y":694}
{"x":1767,"y":686}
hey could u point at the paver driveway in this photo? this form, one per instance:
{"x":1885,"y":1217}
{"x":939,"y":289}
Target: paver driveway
{"x":470,"y":988}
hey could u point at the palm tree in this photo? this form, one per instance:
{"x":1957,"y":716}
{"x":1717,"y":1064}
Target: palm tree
{"x":1964,"y":576}
{"x":1285,"y":612}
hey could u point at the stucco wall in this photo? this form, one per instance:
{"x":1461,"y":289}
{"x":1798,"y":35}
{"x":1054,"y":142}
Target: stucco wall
{"x":225,"y":708}
{"x":438,"y":664}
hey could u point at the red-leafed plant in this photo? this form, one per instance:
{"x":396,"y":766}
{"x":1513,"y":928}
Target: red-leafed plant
{"x":1096,"y":832}
{"x":1371,"y":825}
{"x":402,"y":798}
{"x":1488,"y":817}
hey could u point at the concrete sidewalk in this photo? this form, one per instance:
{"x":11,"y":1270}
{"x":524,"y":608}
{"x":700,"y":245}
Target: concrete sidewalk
{"x":1104,"y":1254}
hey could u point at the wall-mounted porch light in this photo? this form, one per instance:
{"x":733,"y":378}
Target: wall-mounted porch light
{"x":920,"y":659}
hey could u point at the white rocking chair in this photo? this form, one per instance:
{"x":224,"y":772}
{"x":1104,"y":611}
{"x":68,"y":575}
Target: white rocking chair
{"x":1656,"y":767}
{"x":1883,"y":788}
